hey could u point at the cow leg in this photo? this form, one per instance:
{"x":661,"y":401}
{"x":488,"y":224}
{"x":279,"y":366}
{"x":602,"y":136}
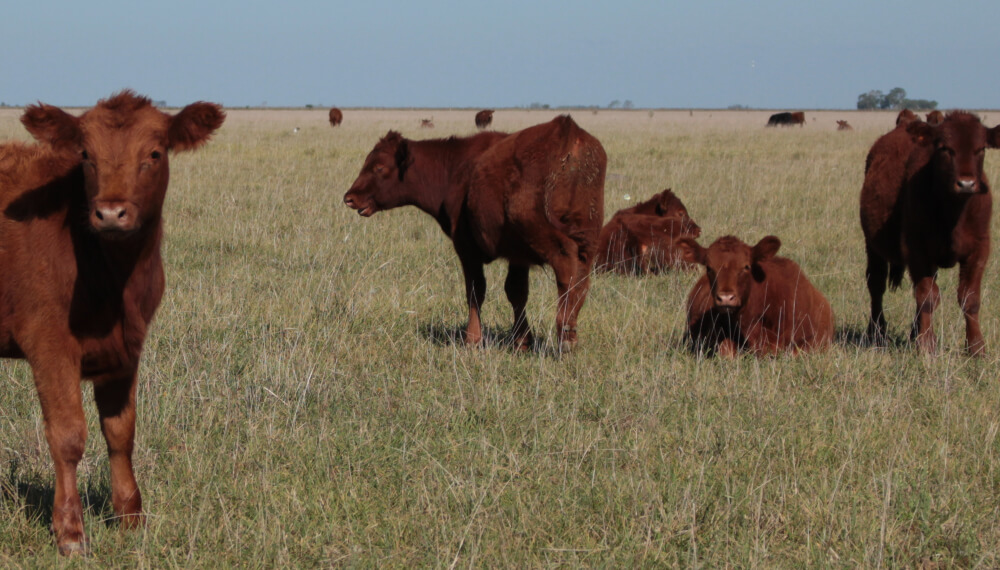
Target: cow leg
{"x":573,"y":282}
{"x":876,"y":275}
{"x":970,"y":278}
{"x":927,"y":295}
{"x":116,"y":406}
{"x":58,"y":383}
{"x":475,"y":291}
{"x":516,"y":287}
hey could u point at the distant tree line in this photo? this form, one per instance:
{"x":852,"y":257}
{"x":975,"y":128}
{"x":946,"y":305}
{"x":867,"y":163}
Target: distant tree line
{"x":894,"y":99}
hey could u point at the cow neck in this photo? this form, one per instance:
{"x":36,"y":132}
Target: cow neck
{"x":436,"y":176}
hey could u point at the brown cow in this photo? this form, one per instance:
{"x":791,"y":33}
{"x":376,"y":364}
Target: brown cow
{"x":638,"y":240}
{"x":336,"y":117}
{"x":787,"y":119}
{"x":427,"y":123}
{"x":935,"y":117}
{"x":905,"y":116}
{"x":484,"y":118}
{"x":534,"y":197}
{"x":634,"y":244}
{"x":750,"y":299}
{"x":844,"y":126}
{"x":925,"y":205}
{"x":82,"y":274}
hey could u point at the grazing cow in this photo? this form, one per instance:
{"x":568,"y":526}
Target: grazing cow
{"x":640,"y":239}
{"x":336,"y":117}
{"x":935,"y":118}
{"x":633,"y":244}
{"x":427,"y":123}
{"x":905,"y":116}
{"x":534,"y":197}
{"x":787,"y":119}
{"x":750,"y":299}
{"x":925,"y":205}
{"x":844,"y":126}
{"x":82,"y":275}
{"x":484,"y":118}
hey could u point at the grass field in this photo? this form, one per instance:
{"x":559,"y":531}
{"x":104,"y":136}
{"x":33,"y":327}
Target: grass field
{"x":303,"y":401}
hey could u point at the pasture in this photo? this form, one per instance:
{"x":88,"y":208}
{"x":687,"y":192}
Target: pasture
{"x":303,"y":400}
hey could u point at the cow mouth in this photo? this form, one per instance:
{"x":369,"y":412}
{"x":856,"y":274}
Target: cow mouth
{"x":367,"y":211}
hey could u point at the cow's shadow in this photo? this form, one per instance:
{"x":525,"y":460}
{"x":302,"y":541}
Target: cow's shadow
{"x":857,"y":336}
{"x":36,"y":493}
{"x":442,"y":335}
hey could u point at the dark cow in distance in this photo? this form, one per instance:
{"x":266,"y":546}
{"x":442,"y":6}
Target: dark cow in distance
{"x":533,"y":197}
{"x":750,"y":299}
{"x":640,"y":239}
{"x":336,"y":117}
{"x":787,"y":119}
{"x":926,"y":205}
{"x":844,"y":126}
{"x":484,"y":118}
{"x":81,"y":274}
{"x":935,"y":118}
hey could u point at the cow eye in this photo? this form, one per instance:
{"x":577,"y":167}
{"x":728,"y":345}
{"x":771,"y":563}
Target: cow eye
{"x":84,"y":155}
{"x":379,"y":169}
{"x":746,"y":268}
{"x":155,"y":155}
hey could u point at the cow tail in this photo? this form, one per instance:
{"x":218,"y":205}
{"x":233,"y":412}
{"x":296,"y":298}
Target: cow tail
{"x":896,"y":275}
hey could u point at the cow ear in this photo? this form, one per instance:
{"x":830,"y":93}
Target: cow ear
{"x":920,"y":131}
{"x":765,"y":249}
{"x":52,"y":126}
{"x":403,"y":158}
{"x":993,"y":137}
{"x":194,"y":125}
{"x":691,"y":252}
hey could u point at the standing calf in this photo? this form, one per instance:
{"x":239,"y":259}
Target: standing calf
{"x":81,"y":274}
{"x":748,"y":298}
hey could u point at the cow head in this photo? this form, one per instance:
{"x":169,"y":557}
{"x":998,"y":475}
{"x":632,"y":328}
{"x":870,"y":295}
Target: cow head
{"x":905,"y":117}
{"x":379,"y":186}
{"x":123,"y":144}
{"x":958,"y":145}
{"x":730,"y":266}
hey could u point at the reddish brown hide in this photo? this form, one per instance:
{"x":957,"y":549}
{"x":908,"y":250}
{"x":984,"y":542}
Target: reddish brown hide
{"x":336,"y":117}
{"x":844,"y":126}
{"x":787,"y":119}
{"x":926,"y":205}
{"x":906,"y":116}
{"x":640,"y":239}
{"x":750,"y":299}
{"x":484,"y":118}
{"x":935,"y":118}
{"x":534,"y":197}
{"x":82,"y":275}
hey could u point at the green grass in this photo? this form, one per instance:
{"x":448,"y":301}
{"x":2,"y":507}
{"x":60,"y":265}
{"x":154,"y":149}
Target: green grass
{"x":303,"y":402}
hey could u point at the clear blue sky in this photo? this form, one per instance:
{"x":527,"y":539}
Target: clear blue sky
{"x":441,"y":53}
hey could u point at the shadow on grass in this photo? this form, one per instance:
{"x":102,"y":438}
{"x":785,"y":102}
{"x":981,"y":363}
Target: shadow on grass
{"x":442,"y":335}
{"x":37,"y":493}
{"x":858,"y":337}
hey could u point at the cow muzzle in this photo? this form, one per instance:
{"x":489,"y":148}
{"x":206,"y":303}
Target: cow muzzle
{"x":364,"y":209}
{"x":114,"y":216}
{"x":727,"y":301}
{"x":965,"y":185}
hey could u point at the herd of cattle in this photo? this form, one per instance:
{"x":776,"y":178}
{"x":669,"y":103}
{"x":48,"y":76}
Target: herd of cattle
{"x":82,"y":275}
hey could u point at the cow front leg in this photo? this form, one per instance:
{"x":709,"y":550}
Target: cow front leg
{"x":115,"y":401}
{"x":57,"y":381}
{"x":970,"y":279}
{"x":927,"y":296}
{"x":475,"y":292}
{"x":516,"y":287}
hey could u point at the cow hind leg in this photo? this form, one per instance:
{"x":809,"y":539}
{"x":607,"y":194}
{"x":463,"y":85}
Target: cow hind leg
{"x":516,"y":287}
{"x":573,"y":282}
{"x":116,"y":407}
{"x":876,"y":276}
{"x":475,"y":292}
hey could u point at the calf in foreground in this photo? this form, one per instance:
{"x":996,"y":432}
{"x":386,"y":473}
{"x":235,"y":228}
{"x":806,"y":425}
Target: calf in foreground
{"x":81,"y":274}
{"x":751,"y":299}
{"x":926,"y":205}
{"x":534,"y":197}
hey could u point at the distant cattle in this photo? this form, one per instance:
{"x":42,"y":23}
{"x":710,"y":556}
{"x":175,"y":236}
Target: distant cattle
{"x":336,"y":117}
{"x":905,"y":116}
{"x":844,"y":126}
{"x":640,"y":239}
{"x":925,"y":205}
{"x":82,"y":274}
{"x":787,"y":119}
{"x":427,"y":123}
{"x":534,"y":197}
{"x":750,"y":299}
{"x":935,"y":117}
{"x":484,"y":118}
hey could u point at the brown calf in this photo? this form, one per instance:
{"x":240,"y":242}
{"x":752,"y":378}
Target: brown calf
{"x":905,"y":116}
{"x":844,"y":126}
{"x":635,"y":244}
{"x":935,"y":118}
{"x":484,"y":118}
{"x":336,"y":117}
{"x":534,"y":197}
{"x":925,"y":205}
{"x":82,"y":275}
{"x":750,"y":299}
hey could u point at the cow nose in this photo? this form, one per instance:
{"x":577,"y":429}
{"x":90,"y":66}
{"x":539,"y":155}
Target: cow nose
{"x":966,"y":185}
{"x":113,"y":216}
{"x":349,"y":200}
{"x":726,"y":299}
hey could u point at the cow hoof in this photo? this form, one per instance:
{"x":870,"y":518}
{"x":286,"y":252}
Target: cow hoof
{"x":77,"y":547}
{"x":132,"y":521}
{"x":976,"y":350}
{"x":472,"y":339}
